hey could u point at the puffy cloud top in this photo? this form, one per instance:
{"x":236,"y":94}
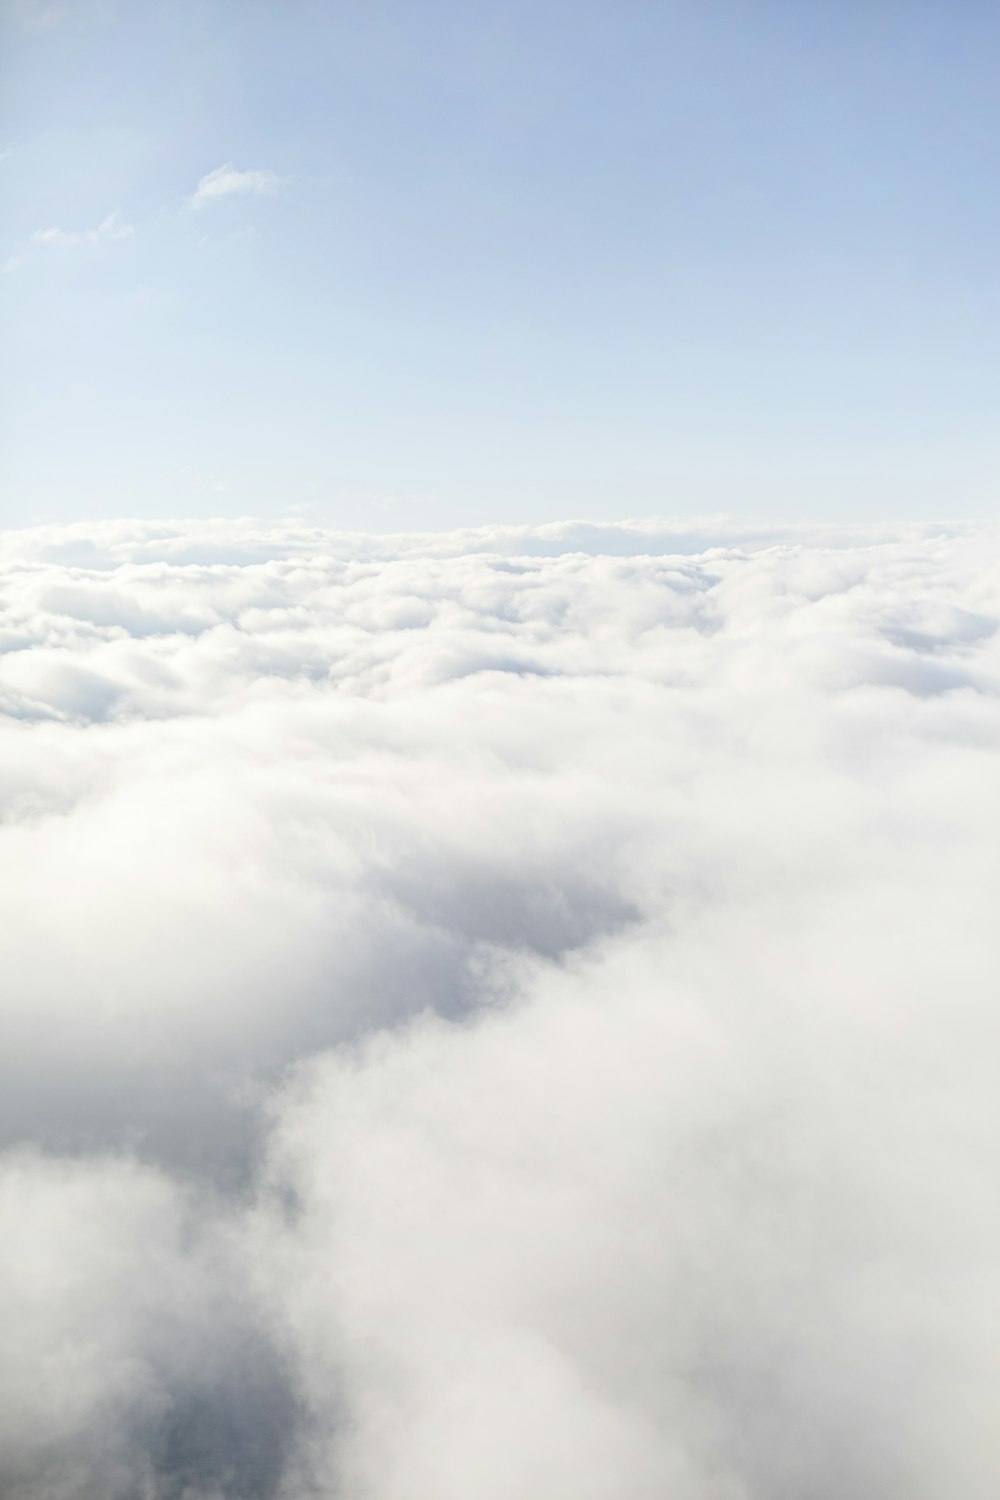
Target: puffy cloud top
{"x":507,"y":1013}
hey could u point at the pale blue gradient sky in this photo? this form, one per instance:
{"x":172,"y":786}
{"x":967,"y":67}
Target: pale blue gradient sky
{"x":522,"y":261}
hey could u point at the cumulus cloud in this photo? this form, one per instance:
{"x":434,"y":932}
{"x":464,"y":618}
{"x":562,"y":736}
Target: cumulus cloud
{"x":506,"y":1013}
{"x":226,"y":182}
{"x":110,"y":229}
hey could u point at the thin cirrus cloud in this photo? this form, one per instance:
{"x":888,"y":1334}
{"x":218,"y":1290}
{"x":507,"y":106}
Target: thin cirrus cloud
{"x":37,"y":15}
{"x":506,"y":1013}
{"x":228,"y":182}
{"x":109,"y":230}
{"x":224,"y":182}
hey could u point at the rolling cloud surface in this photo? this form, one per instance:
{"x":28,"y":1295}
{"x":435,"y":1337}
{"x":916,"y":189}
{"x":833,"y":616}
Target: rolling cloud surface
{"x":509,"y":1014}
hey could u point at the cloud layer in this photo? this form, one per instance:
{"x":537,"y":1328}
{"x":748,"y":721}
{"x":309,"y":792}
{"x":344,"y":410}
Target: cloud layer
{"x":507,"y":1013}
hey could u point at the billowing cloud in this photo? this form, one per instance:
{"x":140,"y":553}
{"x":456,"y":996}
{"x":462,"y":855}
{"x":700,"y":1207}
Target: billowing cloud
{"x":226,"y":182}
{"x":509,"y":1013}
{"x":134,"y":1362}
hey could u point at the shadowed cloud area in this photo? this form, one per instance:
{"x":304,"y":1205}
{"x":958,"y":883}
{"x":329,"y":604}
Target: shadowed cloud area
{"x":508,"y":1013}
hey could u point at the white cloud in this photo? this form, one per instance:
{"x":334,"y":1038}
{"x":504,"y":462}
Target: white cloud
{"x":226,"y":181}
{"x":130,"y":1346}
{"x":110,"y":229}
{"x":535,"y":988}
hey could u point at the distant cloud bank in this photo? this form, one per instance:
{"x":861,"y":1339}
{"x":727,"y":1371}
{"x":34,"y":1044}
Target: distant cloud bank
{"x":505,"y":1014}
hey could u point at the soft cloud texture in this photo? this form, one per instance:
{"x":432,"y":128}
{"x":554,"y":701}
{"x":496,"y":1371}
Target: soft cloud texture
{"x":509,"y":1013}
{"x":226,"y":181}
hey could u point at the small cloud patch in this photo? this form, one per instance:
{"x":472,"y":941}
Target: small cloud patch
{"x":227,"y":182}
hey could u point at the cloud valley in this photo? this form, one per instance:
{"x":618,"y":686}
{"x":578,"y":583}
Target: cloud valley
{"x":509,"y":1013}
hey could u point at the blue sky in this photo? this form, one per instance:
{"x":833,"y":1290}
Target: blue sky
{"x":480,"y":262}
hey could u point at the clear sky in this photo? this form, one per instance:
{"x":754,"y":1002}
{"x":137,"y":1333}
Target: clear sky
{"x":456,"y":261}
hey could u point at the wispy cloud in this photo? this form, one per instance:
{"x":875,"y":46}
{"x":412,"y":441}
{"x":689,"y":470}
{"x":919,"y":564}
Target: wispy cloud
{"x":37,"y":15}
{"x":47,"y":15}
{"x":111,"y":228}
{"x":226,"y":182}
